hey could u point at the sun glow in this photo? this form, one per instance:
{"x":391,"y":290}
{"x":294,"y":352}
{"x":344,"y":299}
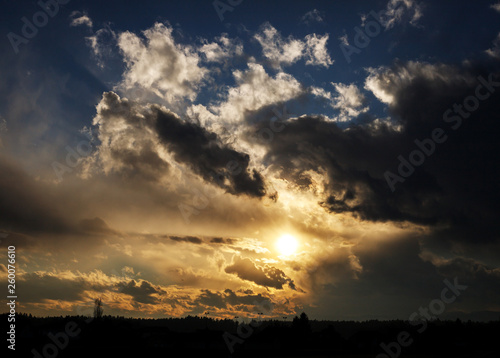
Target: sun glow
{"x":287,"y":245}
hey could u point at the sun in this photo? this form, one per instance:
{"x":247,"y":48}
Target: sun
{"x":287,"y":244}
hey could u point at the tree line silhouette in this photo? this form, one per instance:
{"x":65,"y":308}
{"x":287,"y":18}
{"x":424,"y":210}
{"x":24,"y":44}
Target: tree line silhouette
{"x":107,"y":336}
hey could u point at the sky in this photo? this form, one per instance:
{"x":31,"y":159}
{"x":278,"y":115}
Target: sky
{"x":240,"y":157}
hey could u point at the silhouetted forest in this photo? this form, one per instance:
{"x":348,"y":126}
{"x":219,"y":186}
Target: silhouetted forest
{"x":106,"y":336}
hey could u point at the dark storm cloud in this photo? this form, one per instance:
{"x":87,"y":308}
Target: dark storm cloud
{"x":123,"y":122}
{"x":203,"y":152}
{"x":398,"y":268}
{"x":25,"y":204}
{"x":480,"y":276}
{"x":144,"y":163}
{"x":386,"y":269}
{"x":266,"y":276}
{"x":456,"y":187}
{"x":395,"y":277}
{"x":395,"y":267}
{"x":142,"y":292}
{"x":139,"y":160}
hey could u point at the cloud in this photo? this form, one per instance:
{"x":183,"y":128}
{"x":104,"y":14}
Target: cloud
{"x":316,"y":53}
{"x":312,"y":16}
{"x":344,"y":39}
{"x":64,"y":286}
{"x":398,"y":10}
{"x":254,"y":90}
{"x":495,"y":50}
{"x":332,"y":266}
{"x":384,"y":82}
{"x":389,"y":271}
{"x":349,"y":101}
{"x":96,"y":226}
{"x":80,"y":18}
{"x":220,"y":240}
{"x":204,"y":153}
{"x":278,"y":50}
{"x":352,"y":161}
{"x":221,"y":50}
{"x":286,"y":51}
{"x":26,"y":204}
{"x":102,"y":43}
{"x":129,"y":145}
{"x":330,"y":177}
{"x":247,"y":301}
{"x":496,"y":6}
{"x":145,"y":292}
{"x":3,"y":128}
{"x":350,"y":97}
{"x":217,"y":240}
{"x":135,"y":140}
{"x":75,"y":290}
{"x":158,"y":64}
{"x":191,"y":239}
{"x":266,"y":276}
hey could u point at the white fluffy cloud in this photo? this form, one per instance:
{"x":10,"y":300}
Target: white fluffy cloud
{"x":254,"y":90}
{"x":316,"y":51}
{"x":349,"y":100}
{"x":158,"y":64}
{"x":222,"y":49}
{"x":278,"y":50}
{"x":286,"y":51}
